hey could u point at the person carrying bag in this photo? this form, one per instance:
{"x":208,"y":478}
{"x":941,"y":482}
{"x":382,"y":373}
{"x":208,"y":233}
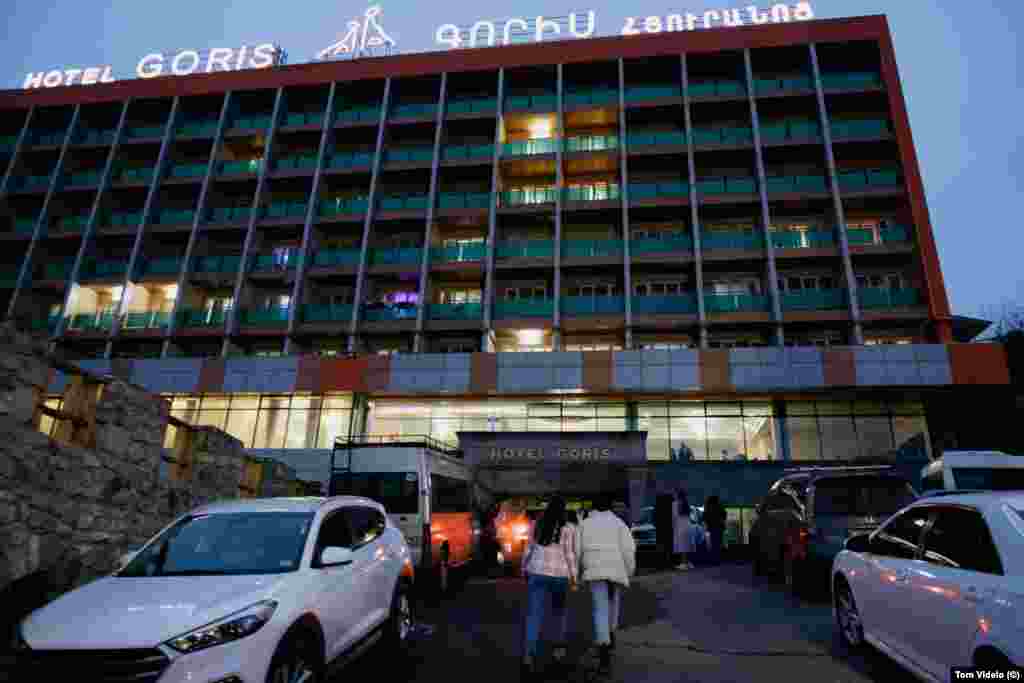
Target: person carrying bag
{"x":550,"y":565}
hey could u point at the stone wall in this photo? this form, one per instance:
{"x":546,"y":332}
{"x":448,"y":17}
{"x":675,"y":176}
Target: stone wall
{"x":68,"y":511}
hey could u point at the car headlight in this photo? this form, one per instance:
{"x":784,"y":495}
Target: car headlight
{"x":232,"y":627}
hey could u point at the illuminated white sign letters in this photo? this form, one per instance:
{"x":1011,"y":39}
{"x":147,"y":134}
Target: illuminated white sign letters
{"x":56,"y":78}
{"x":363,"y":37}
{"x":580,"y":25}
{"x":727,"y":18}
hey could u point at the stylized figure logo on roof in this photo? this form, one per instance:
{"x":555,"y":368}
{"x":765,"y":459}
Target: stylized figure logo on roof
{"x":362,"y":37}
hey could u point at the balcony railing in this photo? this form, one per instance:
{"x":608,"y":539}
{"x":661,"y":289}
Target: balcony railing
{"x":252,"y":123}
{"x":851,"y":81}
{"x":473,"y":106}
{"x":203,"y":318}
{"x":466,"y":311}
{"x":385,"y":312}
{"x":182,"y":217}
{"x":331,"y":258}
{"x":859,"y":128}
{"x":530,"y":147}
{"x":717,"y":89}
{"x":875,"y":297}
{"x":652,"y":92}
{"x":303,"y":162}
{"x":198,"y":129}
{"x":327,"y":313}
{"x":24,"y":227}
{"x":813,"y":300}
{"x":459,"y":253}
{"x":860,"y":180}
{"x":409,"y":155}
{"x":104,"y":269}
{"x":48,"y":323}
{"x":726,"y":185}
{"x":91,"y":322}
{"x":526,"y":249}
{"x":672,"y":138}
{"x":593,"y":305}
{"x":95,"y":137}
{"x":673,"y":189}
{"x":344,"y":206}
{"x":231,"y":214}
{"x":57,"y":272}
{"x":227,"y":265}
{"x":146,"y":320}
{"x":661,"y":245}
{"x":459,"y":152}
{"x":725,"y":135}
{"x":250,"y":167}
{"x":591,"y":248}
{"x":545,"y":101}
{"x":72,"y":224}
{"x":896,"y":234}
{"x":732,"y":239}
{"x":601,"y":192}
{"x":275,"y":262}
{"x":357,"y":160}
{"x":797,"y":183}
{"x":304,"y":118}
{"x":599,"y":96}
{"x":797,"y":239}
{"x":31,"y":182}
{"x":8,"y":142}
{"x":736,"y":303}
{"x":416,"y":202}
{"x":529,"y":196}
{"x":407,"y":256}
{"x":793,"y":130}
{"x":592,"y":143}
{"x":468,"y":200}
{"x":767,"y":85}
{"x":279,"y":210}
{"x":144,"y":132}
{"x":270,"y":317}
{"x":414,"y":111}
{"x":365,"y":114}
{"x":123,"y":219}
{"x":83,"y":179}
{"x":657,"y":305}
{"x":524,"y":308}
{"x":136,"y":175}
{"x":187,"y":171}
{"x":162,"y":266}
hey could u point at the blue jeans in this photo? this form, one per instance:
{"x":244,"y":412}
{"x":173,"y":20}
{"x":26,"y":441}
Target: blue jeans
{"x":607,"y":602}
{"x":539,"y":589}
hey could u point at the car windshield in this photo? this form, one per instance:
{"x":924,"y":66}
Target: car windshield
{"x":396,"y":491}
{"x":861,"y":496}
{"x":989,"y":478}
{"x":225,"y":544}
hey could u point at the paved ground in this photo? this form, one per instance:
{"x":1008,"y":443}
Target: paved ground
{"x":709,"y":625}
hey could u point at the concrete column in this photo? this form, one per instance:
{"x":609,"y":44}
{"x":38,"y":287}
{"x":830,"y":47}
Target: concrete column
{"x":556,"y":335}
{"x":302,"y":267}
{"x":627,"y":271}
{"x":431,"y":202}
{"x":766,"y":220}
{"x":368,"y":220}
{"x":837,"y":202}
{"x":197,"y":221}
{"x":41,"y":219}
{"x":691,"y":166}
{"x":487,"y":335}
{"x":782,"y":430}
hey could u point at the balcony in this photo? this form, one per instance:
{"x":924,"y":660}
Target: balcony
{"x":135,"y":175}
{"x":240,"y":168}
{"x":529,"y":196}
{"x":415,"y":202}
{"x":468,"y":200}
{"x":218,"y":265}
{"x":744,"y":240}
{"x":231,"y":214}
{"x":544,"y":249}
{"x":717,"y":89}
{"x":414,"y":111}
{"x":525,"y":148}
{"x":48,"y":324}
{"x":344,"y":206}
{"x":94,"y":137}
{"x":542,"y":102}
{"x":284,"y":210}
{"x":592,"y":143}
{"x":598,"y":97}
{"x":856,"y":129}
{"x":665,"y":305}
{"x":665,"y":190}
{"x":598,"y":192}
{"x":488,"y":105}
{"x":83,"y":179}
{"x":144,"y":132}
{"x":525,"y":308}
{"x":275,"y":316}
{"x":57,"y":272}
{"x":798,"y":239}
{"x":409,"y":155}
{"x":147,"y":320}
{"x":208,"y":318}
{"x":796,"y":184}
{"x":851,"y":81}
{"x":593,"y":305}
{"x":303,"y":162}
{"x":252,"y":123}
{"x":465,"y":311}
{"x":793,"y":130}
{"x":592,"y":248}
{"x":652,"y":92}
{"x":662,"y":245}
{"x":656,"y":139}
{"x":459,"y":253}
{"x":352,"y":115}
{"x":187,"y":171}
{"x":101,"y":270}
{"x":91,"y":322}
{"x":8,"y":143}
{"x":736,"y":303}
{"x":176,"y":217}
{"x":870,"y":179}
{"x":198,"y":129}
{"x":725,"y":135}
{"x":334,"y":258}
{"x":327,"y":313}
{"x":30,"y":183}
{"x":47,"y":138}
{"x":394,"y":257}
{"x":726,"y":186}
{"x":350,"y":161}
{"x":389,"y":312}
{"x":72,"y":224}
{"x":162,"y":266}
{"x":781,"y":85}
{"x":24,"y":227}
{"x":300,"y":119}
{"x":467,"y":152}
{"x":276,"y":262}
{"x":896,"y":234}
{"x":123,"y":220}
{"x":814,"y":300}
{"x":872,"y":297}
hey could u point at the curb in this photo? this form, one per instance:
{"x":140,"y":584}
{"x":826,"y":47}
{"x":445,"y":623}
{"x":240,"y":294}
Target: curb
{"x":689,"y":645}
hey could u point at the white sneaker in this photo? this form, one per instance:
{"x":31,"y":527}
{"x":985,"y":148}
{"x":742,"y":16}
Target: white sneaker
{"x":682,"y":567}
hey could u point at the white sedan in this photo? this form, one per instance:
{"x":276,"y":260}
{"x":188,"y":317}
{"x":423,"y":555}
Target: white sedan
{"x":939,"y":585}
{"x":258,"y":590}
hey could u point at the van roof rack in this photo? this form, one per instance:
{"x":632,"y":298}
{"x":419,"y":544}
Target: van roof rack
{"x":834,"y":468}
{"x":953,"y":492}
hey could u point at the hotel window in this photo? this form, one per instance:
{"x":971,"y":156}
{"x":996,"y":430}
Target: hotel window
{"x":840,"y":430}
{"x":694,"y":430}
{"x":593,"y":290}
{"x":531,"y":292}
{"x":660,"y":288}
{"x":880,"y":281}
{"x":737,"y":286}
{"x":796,"y":283}
{"x":460,"y":296}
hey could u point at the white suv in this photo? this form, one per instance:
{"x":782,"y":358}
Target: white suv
{"x":247,"y":591}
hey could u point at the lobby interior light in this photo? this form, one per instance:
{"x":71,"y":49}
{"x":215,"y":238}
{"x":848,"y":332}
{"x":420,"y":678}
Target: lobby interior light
{"x":530,"y":337}
{"x":540,"y":128}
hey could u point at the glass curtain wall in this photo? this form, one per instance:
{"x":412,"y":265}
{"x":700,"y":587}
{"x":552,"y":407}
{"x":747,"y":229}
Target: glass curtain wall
{"x":852,"y":430}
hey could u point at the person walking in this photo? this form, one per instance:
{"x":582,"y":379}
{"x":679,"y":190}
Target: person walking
{"x":551,"y":566}
{"x":663,"y":525}
{"x":682,"y":545}
{"x":714,"y":520}
{"x":608,"y":558}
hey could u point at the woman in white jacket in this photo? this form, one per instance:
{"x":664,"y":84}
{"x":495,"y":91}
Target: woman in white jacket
{"x":682,"y":545}
{"x":608,"y":558}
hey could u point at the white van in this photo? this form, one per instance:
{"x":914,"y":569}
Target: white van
{"x":427,"y":493}
{"x":975,"y":471}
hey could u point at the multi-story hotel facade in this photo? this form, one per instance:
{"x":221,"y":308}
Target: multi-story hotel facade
{"x":718,"y":238}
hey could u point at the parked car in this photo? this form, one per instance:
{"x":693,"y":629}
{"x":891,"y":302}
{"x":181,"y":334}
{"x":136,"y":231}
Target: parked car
{"x":808,"y":514}
{"x":939,"y":585}
{"x":645,"y":536}
{"x":255,"y":590}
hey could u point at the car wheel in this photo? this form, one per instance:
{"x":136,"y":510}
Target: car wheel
{"x":992,"y":660}
{"x":297,"y":660}
{"x":851,"y":628}
{"x":400,"y":619}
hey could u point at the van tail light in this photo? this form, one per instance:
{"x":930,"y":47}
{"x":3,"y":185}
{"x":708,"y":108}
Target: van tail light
{"x":407,"y":570}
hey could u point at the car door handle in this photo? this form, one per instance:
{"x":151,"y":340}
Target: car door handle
{"x":902,"y":576}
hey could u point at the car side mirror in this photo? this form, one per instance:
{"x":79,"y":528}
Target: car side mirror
{"x":859,"y":543}
{"x":333,"y":556}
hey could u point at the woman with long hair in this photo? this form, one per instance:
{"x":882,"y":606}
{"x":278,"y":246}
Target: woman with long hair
{"x":550,"y":566}
{"x":682,"y":546}
{"x":714,"y":519}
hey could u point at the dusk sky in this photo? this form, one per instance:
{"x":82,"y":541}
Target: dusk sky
{"x":960,"y":63}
